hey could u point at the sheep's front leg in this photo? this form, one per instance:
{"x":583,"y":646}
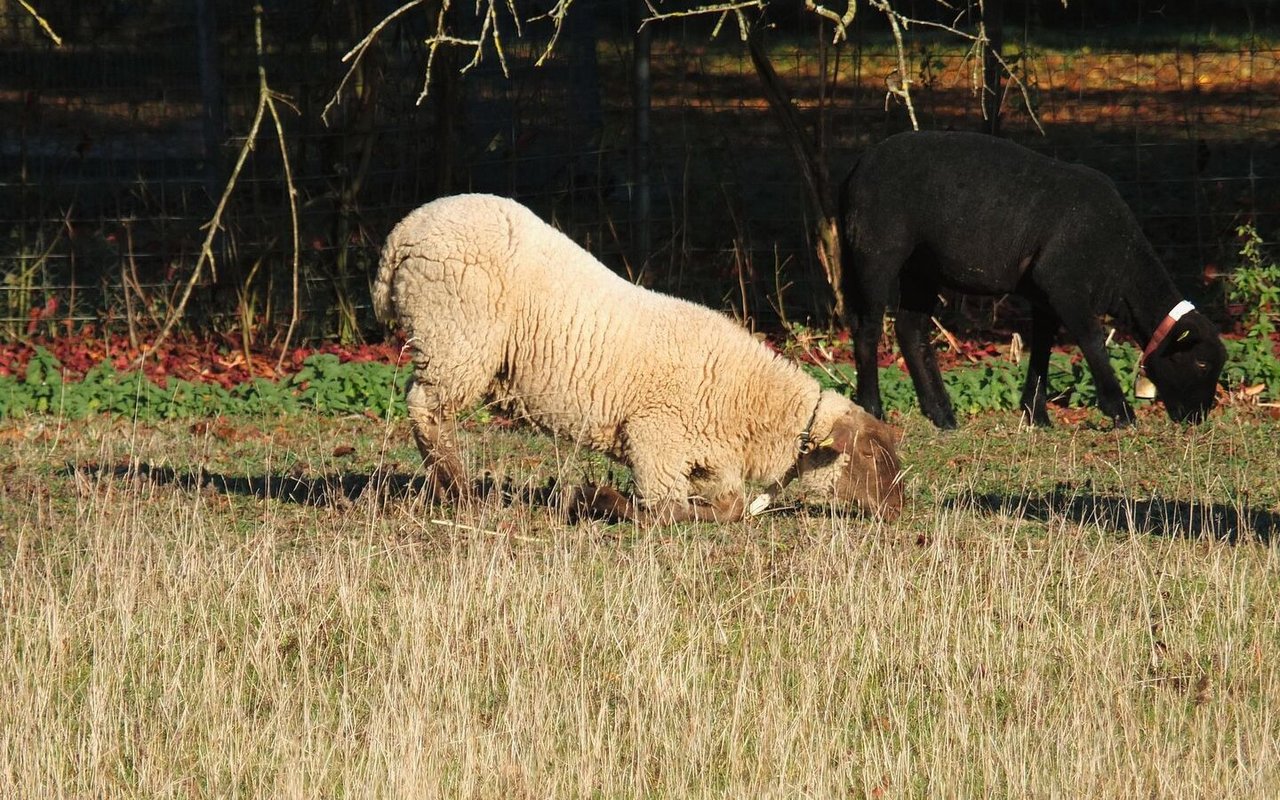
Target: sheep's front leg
{"x":608,"y":503}
{"x":1092,"y":343}
{"x":433,"y":431}
{"x":922,"y":363}
{"x":1035,"y":391}
{"x":866,"y":350}
{"x":662,"y":476}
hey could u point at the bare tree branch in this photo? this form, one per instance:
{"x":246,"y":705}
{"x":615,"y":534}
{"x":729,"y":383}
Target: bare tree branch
{"x":486,"y":12}
{"x":723,"y":9}
{"x":981,"y":42}
{"x":841,"y":22}
{"x":556,"y":15}
{"x":900,"y":83}
{"x":902,"y":88}
{"x":267,"y":99}
{"x":356,"y":53}
{"x":42,"y":22}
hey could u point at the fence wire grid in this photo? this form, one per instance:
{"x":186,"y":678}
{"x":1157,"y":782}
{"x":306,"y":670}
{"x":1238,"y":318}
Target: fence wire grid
{"x":115,"y":147}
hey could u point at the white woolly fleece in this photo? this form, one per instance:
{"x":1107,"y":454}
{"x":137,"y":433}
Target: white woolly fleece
{"x":498,"y":303}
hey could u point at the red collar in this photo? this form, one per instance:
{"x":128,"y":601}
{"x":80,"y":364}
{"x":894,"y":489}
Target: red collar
{"x":1166,"y":325}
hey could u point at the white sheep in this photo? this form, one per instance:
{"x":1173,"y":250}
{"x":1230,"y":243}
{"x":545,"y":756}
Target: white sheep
{"x":496,"y":303}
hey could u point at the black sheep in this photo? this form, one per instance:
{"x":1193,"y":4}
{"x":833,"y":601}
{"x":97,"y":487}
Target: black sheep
{"x":924,"y":211}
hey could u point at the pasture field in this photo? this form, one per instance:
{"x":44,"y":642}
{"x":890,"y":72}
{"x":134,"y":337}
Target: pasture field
{"x":267,"y":608}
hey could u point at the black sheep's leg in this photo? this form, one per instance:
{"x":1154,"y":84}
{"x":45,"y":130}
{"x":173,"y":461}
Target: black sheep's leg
{"x":913,"y":328}
{"x":1035,"y":392}
{"x":871,"y":284}
{"x":866,"y":348}
{"x":1088,"y":334}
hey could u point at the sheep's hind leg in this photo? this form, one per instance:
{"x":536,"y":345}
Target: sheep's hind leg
{"x":434,"y":433}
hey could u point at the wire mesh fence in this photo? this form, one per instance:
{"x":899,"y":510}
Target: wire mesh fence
{"x":115,"y":149}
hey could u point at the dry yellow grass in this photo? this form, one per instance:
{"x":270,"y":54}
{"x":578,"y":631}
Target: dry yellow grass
{"x":167,"y":641}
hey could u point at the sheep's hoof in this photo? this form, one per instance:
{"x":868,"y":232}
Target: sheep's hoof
{"x":759,"y":505}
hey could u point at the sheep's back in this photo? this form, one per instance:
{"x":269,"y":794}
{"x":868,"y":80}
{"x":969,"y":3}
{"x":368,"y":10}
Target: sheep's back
{"x":485,"y":287}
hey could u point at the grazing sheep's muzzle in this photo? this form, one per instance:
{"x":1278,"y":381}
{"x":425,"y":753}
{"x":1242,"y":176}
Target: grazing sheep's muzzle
{"x":857,"y":465}
{"x":1192,"y":413}
{"x":873,"y":480}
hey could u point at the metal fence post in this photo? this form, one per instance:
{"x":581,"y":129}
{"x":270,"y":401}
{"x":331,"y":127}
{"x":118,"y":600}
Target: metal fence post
{"x":641,"y":89}
{"x":210,"y":94}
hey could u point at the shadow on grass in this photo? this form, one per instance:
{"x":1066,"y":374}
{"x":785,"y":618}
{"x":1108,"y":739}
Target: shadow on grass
{"x":1153,"y":517}
{"x":327,"y":490}
{"x":344,"y":489}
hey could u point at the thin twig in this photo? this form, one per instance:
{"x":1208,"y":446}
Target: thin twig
{"x":42,"y":22}
{"x":951,"y":340}
{"x":266,"y":103}
{"x":840,"y":21}
{"x":473,"y":529}
{"x":293,"y":218}
{"x":903,"y":90}
{"x":213,"y":226}
{"x":358,"y":52}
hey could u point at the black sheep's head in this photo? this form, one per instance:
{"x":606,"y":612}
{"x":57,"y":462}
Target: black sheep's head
{"x":1185,"y":368}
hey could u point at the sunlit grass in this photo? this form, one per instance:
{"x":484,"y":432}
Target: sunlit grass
{"x":1009,"y":636}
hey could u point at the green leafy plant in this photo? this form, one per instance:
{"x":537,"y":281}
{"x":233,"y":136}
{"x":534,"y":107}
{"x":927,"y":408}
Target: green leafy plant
{"x":324,"y":384}
{"x":260,"y":397}
{"x":992,"y":384}
{"x":327,"y":384}
{"x":1254,"y":289}
{"x":1071,"y":379}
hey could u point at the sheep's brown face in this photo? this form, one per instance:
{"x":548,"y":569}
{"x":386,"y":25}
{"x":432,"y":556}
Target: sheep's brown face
{"x":858,"y":464}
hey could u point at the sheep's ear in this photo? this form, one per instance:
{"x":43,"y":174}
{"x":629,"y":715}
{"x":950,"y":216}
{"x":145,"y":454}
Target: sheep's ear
{"x":1187,"y":334}
{"x":816,"y":445}
{"x":841,"y":438}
